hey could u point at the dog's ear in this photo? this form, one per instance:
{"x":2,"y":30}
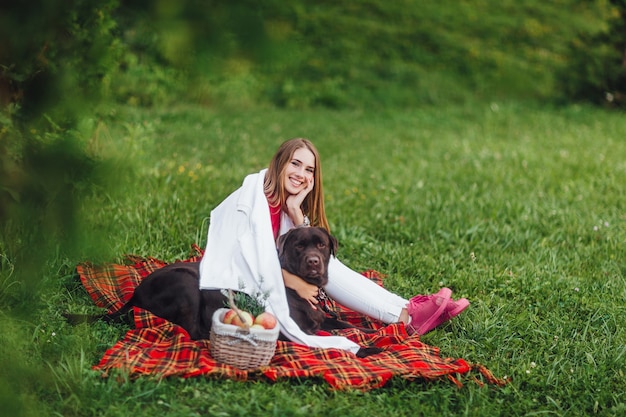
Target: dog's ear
{"x":280,"y":243}
{"x":334,"y":245}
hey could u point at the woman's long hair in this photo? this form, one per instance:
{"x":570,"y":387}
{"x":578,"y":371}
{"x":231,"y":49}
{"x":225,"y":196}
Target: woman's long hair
{"x":274,"y":184}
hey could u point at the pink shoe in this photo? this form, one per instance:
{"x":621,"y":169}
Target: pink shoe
{"x":427,"y":311}
{"x":454,"y":308}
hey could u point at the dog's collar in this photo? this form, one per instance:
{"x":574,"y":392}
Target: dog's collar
{"x":321,"y":295}
{"x":323,"y":300}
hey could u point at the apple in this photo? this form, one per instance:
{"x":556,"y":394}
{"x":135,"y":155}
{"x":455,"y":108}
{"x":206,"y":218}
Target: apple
{"x":266,"y":319}
{"x":245,"y":319}
{"x":228,"y":316}
{"x":257,"y":326}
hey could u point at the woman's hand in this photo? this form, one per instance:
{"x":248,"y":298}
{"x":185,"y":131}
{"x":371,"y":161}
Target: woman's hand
{"x":294,"y":203}
{"x":305,"y":290}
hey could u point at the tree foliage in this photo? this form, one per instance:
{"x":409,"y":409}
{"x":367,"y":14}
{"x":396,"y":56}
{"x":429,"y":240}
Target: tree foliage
{"x":55,"y":57}
{"x":304,"y":53}
{"x":347,"y":54}
{"x":596,"y":65}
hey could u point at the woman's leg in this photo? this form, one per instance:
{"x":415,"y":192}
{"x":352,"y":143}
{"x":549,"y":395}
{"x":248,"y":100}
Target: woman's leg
{"x":358,"y":293}
{"x":421,"y":313}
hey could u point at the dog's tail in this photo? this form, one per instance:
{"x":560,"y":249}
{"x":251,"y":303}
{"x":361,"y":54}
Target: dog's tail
{"x":75,"y":318}
{"x":119,"y":316}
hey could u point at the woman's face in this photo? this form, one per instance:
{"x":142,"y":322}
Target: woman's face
{"x":299,"y":171}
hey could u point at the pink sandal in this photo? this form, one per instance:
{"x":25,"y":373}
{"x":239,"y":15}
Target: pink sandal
{"x":427,"y":311}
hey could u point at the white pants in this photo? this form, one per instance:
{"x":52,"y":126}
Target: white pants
{"x":360,"y":294}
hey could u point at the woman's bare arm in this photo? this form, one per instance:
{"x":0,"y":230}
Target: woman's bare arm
{"x":305,"y":290}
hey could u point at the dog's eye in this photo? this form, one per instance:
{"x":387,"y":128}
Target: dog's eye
{"x":321,"y":245}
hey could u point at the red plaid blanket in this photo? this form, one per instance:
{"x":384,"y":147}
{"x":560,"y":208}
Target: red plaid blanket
{"x":158,"y":347}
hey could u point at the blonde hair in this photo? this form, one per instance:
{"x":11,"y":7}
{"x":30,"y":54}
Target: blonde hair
{"x":274,"y":184}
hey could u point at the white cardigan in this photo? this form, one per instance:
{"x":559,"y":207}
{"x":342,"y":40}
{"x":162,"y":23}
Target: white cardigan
{"x":241,"y":255}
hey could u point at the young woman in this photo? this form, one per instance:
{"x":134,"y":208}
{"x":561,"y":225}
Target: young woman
{"x":241,"y":251}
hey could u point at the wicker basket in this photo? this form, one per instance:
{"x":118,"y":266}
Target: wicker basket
{"x":242,"y":348}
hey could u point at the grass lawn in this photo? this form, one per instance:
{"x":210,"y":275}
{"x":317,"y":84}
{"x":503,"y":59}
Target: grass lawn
{"x":520,"y":209}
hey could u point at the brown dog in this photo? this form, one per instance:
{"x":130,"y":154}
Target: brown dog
{"x":173,"y":292}
{"x":306,"y":252}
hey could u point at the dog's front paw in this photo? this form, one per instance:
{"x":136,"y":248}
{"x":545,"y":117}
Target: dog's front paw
{"x":367,"y":351}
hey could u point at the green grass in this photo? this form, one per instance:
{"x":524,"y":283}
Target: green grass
{"x":518,"y":208}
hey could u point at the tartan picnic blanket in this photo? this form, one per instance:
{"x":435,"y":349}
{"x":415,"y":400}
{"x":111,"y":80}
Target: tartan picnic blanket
{"x":160,"y":348}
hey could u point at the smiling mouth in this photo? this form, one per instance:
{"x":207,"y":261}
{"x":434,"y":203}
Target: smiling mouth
{"x":295,"y":182}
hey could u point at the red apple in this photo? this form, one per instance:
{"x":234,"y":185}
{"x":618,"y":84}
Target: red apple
{"x":246,"y":318}
{"x":228,"y":316}
{"x":266,"y":319}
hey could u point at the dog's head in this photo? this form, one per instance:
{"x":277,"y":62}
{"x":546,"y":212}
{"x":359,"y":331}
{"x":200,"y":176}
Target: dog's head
{"x":305,"y":252}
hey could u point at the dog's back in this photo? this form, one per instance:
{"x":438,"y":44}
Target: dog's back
{"x":173,"y":293}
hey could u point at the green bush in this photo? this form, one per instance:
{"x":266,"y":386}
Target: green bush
{"x":596,"y":69}
{"x":367,"y":53}
{"x":324,"y":53}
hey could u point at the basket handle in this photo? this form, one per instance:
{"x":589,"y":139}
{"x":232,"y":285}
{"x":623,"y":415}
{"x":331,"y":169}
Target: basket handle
{"x":232,"y":305}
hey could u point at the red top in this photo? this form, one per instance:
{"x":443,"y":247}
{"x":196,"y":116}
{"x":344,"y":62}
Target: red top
{"x":275,"y":218}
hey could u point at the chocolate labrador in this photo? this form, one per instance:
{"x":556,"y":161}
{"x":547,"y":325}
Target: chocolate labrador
{"x":306,"y":252}
{"x":173,"y":293}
